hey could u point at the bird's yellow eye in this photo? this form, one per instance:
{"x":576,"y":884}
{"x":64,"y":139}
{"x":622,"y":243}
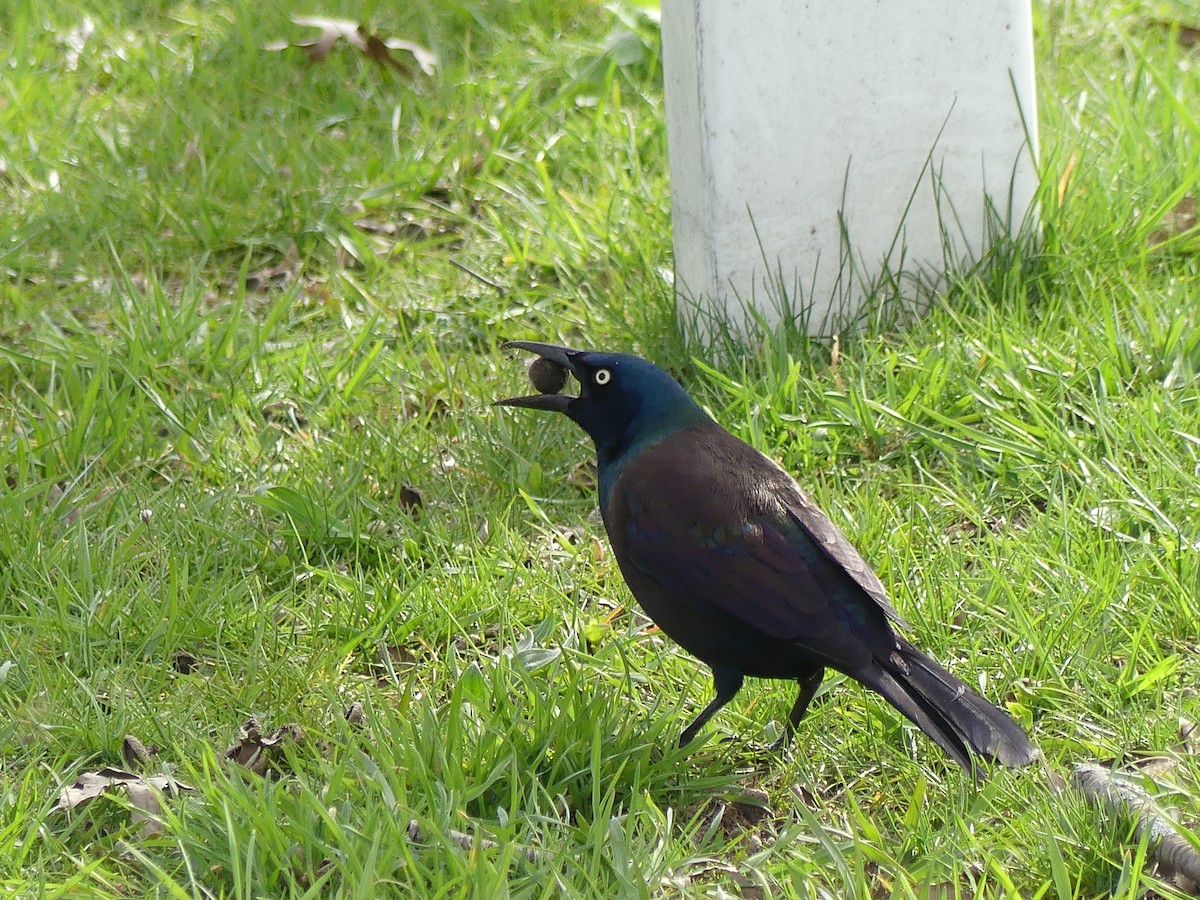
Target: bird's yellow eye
{"x":602,"y":376}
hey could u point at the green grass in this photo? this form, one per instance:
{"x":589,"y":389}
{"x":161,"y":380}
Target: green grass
{"x":205,"y":455}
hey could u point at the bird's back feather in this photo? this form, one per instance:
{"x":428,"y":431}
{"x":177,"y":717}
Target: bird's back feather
{"x":723,"y":528}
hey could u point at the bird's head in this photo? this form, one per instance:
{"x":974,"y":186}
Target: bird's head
{"x":623,"y":402}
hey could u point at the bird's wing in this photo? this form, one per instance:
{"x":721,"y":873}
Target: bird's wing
{"x":765,"y":571}
{"x":722,"y":528}
{"x":808,"y":516}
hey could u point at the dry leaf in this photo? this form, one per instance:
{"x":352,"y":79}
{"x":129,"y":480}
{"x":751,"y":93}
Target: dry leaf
{"x":1180,"y":220}
{"x":279,"y":274}
{"x":1064,"y":181}
{"x":410,"y":227}
{"x":377,"y":51}
{"x":427,"y":405}
{"x":396,"y":655}
{"x":583,"y":476}
{"x":258,"y":752}
{"x":467,"y":842}
{"x":63,"y":498}
{"x":137,"y":755}
{"x":1189,"y":736}
{"x":371,"y":46}
{"x":752,"y":806}
{"x":1186,"y":35}
{"x":144,"y":792}
{"x":286,"y":413}
{"x":145,"y":808}
{"x":487,"y":643}
{"x":411,"y":500}
{"x":90,"y":785}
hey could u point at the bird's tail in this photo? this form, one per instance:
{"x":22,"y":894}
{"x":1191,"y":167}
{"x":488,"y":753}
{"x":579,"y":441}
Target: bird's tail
{"x":958,"y":719}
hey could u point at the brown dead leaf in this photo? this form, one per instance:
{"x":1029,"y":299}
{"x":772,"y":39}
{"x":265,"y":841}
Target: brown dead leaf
{"x":374,"y":48}
{"x":411,"y":228}
{"x":411,"y":500}
{"x":1178,"y":221}
{"x":378,"y":226}
{"x":377,"y":51}
{"x":1189,"y":737}
{"x":137,"y":755}
{"x":487,"y":643}
{"x":746,"y":817}
{"x":1064,"y":181}
{"x":1159,"y":764}
{"x":146,"y":808}
{"x":144,"y":791}
{"x":90,"y":785}
{"x":279,"y":274}
{"x":262,"y":753}
{"x":752,"y":806}
{"x":286,"y":413}
{"x":306,"y":880}
{"x":583,"y":476}
{"x":184,"y":663}
{"x":468,"y":843}
{"x":64,"y":498}
{"x":1186,"y":35}
{"x":355,"y":714}
{"x":1053,"y":780}
{"x":398,"y":656}
{"x":748,"y":888}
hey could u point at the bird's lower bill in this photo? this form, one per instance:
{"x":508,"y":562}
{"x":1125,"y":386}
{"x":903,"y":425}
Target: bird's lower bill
{"x":551,"y":402}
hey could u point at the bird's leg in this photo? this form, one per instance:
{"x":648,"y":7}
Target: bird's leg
{"x":727,"y":682}
{"x":808,"y":688}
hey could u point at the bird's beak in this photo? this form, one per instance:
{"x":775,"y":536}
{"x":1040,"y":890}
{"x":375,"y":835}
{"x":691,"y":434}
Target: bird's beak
{"x":552,"y":402}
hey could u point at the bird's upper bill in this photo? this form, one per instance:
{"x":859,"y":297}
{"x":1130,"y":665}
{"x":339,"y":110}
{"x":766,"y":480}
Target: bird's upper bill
{"x":564,"y":356}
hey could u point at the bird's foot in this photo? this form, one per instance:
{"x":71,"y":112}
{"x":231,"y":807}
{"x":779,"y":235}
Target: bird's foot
{"x":784,"y":740}
{"x":758,"y":748}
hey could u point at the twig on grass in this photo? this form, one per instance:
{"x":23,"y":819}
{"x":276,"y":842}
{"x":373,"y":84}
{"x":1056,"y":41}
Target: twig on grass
{"x":463,"y":267}
{"x":467,"y":842}
{"x":1120,"y":794}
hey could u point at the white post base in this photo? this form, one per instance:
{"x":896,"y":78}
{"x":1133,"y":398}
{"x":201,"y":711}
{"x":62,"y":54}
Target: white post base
{"x":816,"y":147}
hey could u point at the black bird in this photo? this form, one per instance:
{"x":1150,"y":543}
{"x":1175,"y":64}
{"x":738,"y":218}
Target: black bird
{"x":733,"y":560}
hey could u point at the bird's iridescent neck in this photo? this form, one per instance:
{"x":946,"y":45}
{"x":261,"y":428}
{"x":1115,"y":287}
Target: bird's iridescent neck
{"x":617,"y":449}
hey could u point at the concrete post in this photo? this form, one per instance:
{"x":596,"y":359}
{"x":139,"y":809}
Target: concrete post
{"x":818,"y":149}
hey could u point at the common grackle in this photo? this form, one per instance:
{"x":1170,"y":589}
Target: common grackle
{"x":733,"y":560}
